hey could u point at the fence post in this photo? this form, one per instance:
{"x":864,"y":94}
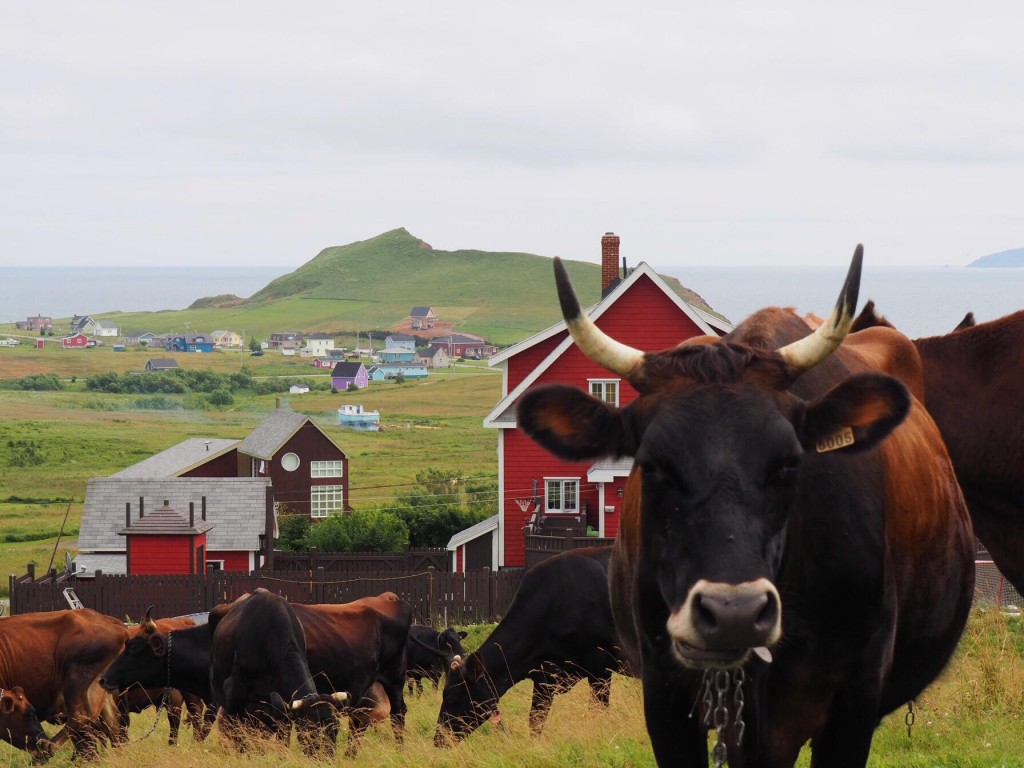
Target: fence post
{"x":429,"y":618}
{"x":490,"y":593}
{"x":101,"y":603}
{"x":318,"y":589}
{"x":31,"y":571}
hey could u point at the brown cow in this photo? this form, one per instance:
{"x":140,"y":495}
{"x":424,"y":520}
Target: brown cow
{"x":792,"y":530}
{"x":56,"y":657}
{"x":973,"y":388}
{"x":19,"y":723}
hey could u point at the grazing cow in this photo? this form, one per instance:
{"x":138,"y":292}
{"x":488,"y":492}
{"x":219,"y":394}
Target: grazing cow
{"x":356,"y":647}
{"x":56,"y":657}
{"x":557,"y":631}
{"x":792,"y":536}
{"x":429,"y":653}
{"x":258,"y":664}
{"x":973,"y":388}
{"x":136,"y":699}
{"x":19,"y":724}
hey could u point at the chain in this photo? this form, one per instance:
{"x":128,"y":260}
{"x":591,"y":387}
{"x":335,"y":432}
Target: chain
{"x":166,"y":697}
{"x":738,"y":702}
{"x":720,"y":718}
{"x":909,"y":719}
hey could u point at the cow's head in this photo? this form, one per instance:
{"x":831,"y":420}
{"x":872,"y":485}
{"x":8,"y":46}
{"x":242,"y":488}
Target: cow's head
{"x":450,"y":641}
{"x":19,"y":723}
{"x":718,"y":440}
{"x":469,"y":699}
{"x":142,"y":662}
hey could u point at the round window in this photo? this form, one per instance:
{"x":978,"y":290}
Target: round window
{"x":290,"y":461}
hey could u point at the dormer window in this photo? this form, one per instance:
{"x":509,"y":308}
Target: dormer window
{"x":605,"y":389}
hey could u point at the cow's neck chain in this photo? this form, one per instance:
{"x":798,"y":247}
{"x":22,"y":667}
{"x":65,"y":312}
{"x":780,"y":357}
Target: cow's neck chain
{"x":715,"y":688}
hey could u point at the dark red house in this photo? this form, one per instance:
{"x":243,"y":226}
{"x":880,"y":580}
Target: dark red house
{"x":640,"y":309}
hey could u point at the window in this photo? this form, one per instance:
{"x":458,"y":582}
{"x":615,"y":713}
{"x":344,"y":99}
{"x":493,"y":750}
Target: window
{"x":290,"y":462}
{"x":214,"y":565}
{"x":324,"y":499}
{"x":562,"y":495}
{"x":325,"y":469}
{"x":605,"y":389}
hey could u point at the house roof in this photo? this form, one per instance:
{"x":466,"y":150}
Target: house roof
{"x":432,"y":351}
{"x":271,"y":433}
{"x":86,"y":564}
{"x":236,"y":506}
{"x":606,"y":470}
{"x":421,"y":311}
{"x":162,"y":362}
{"x":320,"y":336}
{"x":179,"y":459}
{"x":473,"y":532}
{"x":502,"y":415}
{"x":346,"y":369}
{"x":459,"y":338}
{"x":167,"y":521}
{"x":401,"y":337}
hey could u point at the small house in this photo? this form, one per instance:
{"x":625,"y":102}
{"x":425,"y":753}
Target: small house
{"x":319,"y":344}
{"x":226,"y":338}
{"x":384,"y":371}
{"x":161,"y":364}
{"x":475,"y":547}
{"x":285,"y":340}
{"x":165,"y":541}
{"x":190,"y":342}
{"x":397,"y":355}
{"x":435,"y":357}
{"x":400,"y":341}
{"x":35,"y":323}
{"x":349,"y":372}
{"x":75,"y":341}
{"x":422,"y":318}
{"x":298,"y":389}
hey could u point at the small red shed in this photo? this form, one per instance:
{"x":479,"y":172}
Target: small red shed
{"x":165,"y":541}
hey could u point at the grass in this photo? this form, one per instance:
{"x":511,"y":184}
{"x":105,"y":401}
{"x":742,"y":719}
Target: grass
{"x":969,"y":719}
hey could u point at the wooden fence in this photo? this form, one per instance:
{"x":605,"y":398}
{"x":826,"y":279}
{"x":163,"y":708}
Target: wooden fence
{"x":417,"y":559}
{"x":435,"y":596}
{"x":540,"y":548}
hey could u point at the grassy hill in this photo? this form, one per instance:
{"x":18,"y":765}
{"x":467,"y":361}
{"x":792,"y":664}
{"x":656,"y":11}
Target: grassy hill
{"x":372,"y":284}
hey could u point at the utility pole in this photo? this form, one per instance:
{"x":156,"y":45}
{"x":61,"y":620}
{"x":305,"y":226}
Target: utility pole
{"x":241,"y":350}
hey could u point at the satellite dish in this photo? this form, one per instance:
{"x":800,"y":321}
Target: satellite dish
{"x":67,"y":562}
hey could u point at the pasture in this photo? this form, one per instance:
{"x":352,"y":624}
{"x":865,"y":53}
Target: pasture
{"x":971,"y":718}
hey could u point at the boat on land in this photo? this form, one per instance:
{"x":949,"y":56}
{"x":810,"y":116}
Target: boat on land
{"x":353,"y":416}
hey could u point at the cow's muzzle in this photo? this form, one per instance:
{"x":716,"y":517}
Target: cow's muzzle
{"x":720,"y":624}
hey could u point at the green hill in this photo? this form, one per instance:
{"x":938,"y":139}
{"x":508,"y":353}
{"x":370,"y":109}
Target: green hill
{"x":373,"y":284}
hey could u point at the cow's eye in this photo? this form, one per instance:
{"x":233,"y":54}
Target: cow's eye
{"x":785,"y":473}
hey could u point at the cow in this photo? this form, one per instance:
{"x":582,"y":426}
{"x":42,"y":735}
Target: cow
{"x":973,"y":380}
{"x":136,"y":699}
{"x":258,"y":665}
{"x":557,"y":631}
{"x":794,"y":557}
{"x":56,"y":657}
{"x":356,"y":647}
{"x":429,"y":653}
{"x":19,"y":724}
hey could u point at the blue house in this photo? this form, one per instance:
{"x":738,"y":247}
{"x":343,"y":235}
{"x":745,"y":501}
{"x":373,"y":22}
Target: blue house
{"x":397,"y":355}
{"x":400,"y":341}
{"x":384,"y":371}
{"x":192,"y":342}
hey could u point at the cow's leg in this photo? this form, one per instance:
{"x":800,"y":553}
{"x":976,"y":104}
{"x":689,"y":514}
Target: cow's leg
{"x":678,"y":741}
{"x":173,"y":716}
{"x":544,"y":689}
{"x":846,"y":740}
{"x":357,"y":727}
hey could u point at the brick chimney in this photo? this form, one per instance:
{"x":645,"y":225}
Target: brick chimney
{"x":609,"y":261}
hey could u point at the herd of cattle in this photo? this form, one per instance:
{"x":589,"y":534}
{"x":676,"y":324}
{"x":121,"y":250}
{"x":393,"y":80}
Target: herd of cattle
{"x":794,"y":561}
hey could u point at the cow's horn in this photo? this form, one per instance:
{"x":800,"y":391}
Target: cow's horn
{"x":592,"y":341}
{"x":150,"y":624}
{"x":805,"y":353}
{"x":341,"y":697}
{"x":297,"y":704}
{"x":456,"y":662}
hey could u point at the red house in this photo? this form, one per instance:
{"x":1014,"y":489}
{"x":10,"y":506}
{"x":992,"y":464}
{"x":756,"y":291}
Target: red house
{"x":75,"y":341}
{"x":641,"y":310}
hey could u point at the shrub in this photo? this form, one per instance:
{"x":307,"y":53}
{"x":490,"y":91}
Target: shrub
{"x":292,"y":530}
{"x":365,"y":530}
{"x":42,"y":382}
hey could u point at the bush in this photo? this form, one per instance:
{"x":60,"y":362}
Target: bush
{"x":365,"y":530}
{"x":221,"y":398}
{"x":292,"y":531}
{"x":42,"y":382}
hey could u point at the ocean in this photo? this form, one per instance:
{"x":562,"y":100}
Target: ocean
{"x":919,"y":301}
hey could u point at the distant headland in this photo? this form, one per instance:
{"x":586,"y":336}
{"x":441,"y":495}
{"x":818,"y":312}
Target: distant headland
{"x":1011,"y":258}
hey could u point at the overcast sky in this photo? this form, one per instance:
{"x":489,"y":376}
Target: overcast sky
{"x":257,"y":133}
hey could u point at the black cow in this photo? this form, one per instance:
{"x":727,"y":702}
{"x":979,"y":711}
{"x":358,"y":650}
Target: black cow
{"x":785,"y":495}
{"x":356,"y":647}
{"x":558,"y":631}
{"x":258,"y":665}
{"x":429,"y":653}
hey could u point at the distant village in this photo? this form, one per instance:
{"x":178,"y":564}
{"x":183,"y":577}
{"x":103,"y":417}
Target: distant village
{"x":399,"y":358}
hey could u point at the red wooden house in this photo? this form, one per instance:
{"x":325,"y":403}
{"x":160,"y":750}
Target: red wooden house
{"x":641,"y":310}
{"x":75,"y":341}
{"x":165,"y":541}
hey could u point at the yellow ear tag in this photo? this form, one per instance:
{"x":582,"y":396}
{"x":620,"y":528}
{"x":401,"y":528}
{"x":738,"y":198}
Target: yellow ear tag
{"x":840,"y":439}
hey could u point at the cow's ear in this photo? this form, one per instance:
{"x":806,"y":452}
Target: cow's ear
{"x":158,"y":644}
{"x":6,"y":704}
{"x":474,"y":668}
{"x":855,"y":415}
{"x":463,"y":635}
{"x":572,"y":424}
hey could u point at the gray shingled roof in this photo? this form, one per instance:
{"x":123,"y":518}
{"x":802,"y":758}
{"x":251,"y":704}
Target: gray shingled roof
{"x":272,"y":433}
{"x":167,"y":521}
{"x":236,"y":506}
{"x":179,"y":458}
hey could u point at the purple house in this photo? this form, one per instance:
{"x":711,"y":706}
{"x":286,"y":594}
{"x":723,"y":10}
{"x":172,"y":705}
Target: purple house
{"x":349,"y":372}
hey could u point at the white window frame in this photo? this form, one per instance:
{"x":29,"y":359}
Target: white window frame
{"x":599,"y":389}
{"x":320,"y":498}
{"x":217,"y":564}
{"x":563,"y":484}
{"x":332,"y":468}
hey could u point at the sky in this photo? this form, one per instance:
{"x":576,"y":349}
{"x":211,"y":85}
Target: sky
{"x":704,"y":134}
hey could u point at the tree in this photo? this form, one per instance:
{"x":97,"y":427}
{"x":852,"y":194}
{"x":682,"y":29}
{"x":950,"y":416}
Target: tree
{"x":364,"y":530}
{"x":435,"y":510}
{"x":253,"y":344}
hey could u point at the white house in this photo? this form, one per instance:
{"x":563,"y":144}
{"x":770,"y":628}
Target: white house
{"x":319,"y":344}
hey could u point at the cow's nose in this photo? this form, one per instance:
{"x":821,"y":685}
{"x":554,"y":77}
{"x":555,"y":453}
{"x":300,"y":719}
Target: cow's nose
{"x":736,"y":616}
